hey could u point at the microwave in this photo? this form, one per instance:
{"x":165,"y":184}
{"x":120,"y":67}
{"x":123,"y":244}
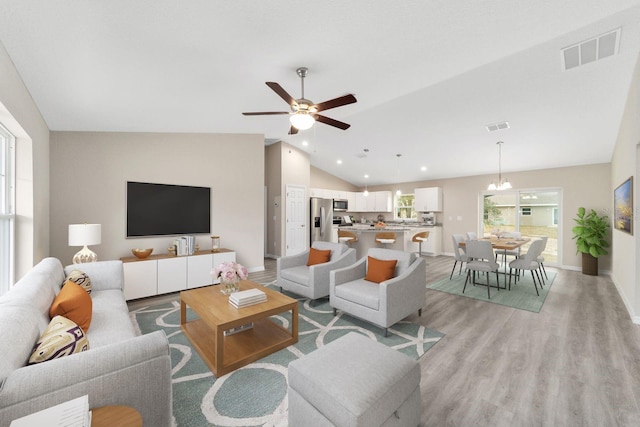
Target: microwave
{"x":340,"y":205}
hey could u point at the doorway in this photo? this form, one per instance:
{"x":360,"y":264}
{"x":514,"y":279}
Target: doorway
{"x":534,"y":213}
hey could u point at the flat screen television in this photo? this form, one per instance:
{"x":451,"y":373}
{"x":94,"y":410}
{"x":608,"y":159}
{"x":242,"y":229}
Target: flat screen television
{"x":162,"y":209}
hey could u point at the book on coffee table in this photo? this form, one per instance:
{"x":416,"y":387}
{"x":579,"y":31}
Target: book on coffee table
{"x":247,"y":298}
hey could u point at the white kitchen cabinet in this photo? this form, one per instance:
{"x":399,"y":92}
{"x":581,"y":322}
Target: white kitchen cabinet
{"x":140,"y":279}
{"x":317,"y":192}
{"x":172,"y":275}
{"x":361,"y":203}
{"x":165,"y":273}
{"x":351,"y":198}
{"x":433,"y":245}
{"x":384,"y":201}
{"x":428,"y":199}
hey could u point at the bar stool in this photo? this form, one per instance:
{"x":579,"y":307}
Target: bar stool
{"x":386,"y":238}
{"x":419,"y":238}
{"x":347,"y":237}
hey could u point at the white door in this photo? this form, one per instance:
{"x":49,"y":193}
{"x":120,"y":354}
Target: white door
{"x":296,"y":219}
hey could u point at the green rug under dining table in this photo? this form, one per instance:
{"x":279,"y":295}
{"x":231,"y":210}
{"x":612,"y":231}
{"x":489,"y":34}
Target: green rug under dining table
{"x":521,"y":296}
{"x":256,"y":395}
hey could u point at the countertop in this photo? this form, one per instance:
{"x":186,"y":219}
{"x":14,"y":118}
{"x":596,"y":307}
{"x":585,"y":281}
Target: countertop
{"x":388,"y":227}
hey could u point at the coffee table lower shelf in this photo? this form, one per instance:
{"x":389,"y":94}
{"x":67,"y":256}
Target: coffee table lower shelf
{"x":239,"y":349}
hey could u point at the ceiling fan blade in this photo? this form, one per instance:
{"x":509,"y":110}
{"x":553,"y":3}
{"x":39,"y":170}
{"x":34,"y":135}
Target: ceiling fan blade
{"x":293,"y":130}
{"x":331,"y":122}
{"x":265,"y":113}
{"x":281,"y":92}
{"x":336,"y":102}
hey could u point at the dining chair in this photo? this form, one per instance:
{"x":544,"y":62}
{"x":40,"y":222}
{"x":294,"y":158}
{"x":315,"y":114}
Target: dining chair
{"x":529,"y":262}
{"x":386,"y":238}
{"x":509,"y":252}
{"x":541,"y":258}
{"x":472,"y":235}
{"x":419,"y":238}
{"x":459,"y":253}
{"x":480,"y":259}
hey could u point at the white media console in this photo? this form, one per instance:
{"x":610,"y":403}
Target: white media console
{"x":166,"y":273}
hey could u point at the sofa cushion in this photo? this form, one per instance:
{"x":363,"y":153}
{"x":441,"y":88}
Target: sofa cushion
{"x":62,"y":338}
{"x":360,"y":292}
{"x":379,"y":270}
{"x":317,"y":256}
{"x":74,"y":303}
{"x":80,"y":278}
{"x":111,"y":321}
{"x":298,"y":274}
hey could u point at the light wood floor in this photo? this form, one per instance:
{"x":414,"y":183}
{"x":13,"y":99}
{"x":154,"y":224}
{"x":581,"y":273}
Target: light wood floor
{"x":576,"y":363}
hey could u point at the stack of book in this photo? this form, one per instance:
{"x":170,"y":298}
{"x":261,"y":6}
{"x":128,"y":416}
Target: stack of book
{"x":247,"y":298}
{"x":73,"y":413}
{"x":185,"y":245}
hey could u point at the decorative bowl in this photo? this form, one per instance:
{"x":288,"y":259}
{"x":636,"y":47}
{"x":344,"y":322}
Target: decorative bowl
{"x":141,"y":253}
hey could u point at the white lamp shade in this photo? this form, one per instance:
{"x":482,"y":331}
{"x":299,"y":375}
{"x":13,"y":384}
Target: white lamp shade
{"x":302,"y":120}
{"x":85,"y":234}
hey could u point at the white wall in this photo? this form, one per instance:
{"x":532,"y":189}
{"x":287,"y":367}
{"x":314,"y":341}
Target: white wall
{"x":626,"y":262}
{"x":89,"y":171}
{"x":19,"y":113}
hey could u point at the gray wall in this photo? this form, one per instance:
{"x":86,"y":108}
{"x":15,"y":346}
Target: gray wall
{"x":89,"y":171}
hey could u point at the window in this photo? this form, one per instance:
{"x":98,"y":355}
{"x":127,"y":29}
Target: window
{"x":525,"y":211}
{"x":404,"y":208}
{"x":7,"y":212}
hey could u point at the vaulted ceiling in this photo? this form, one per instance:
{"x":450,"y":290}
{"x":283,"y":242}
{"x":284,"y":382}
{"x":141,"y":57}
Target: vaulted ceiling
{"x":428,"y":76}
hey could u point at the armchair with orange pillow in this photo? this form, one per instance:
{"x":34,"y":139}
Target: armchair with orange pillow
{"x":382,"y":288}
{"x":307,"y":273}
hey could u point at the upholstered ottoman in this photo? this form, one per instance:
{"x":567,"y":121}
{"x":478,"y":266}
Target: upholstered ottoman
{"x":354,"y":381}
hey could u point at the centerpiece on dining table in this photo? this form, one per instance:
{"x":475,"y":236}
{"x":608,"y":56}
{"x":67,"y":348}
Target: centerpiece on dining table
{"x":230,"y":274}
{"x":498,"y":233}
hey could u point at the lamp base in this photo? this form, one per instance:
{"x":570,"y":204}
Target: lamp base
{"x":85,"y":255}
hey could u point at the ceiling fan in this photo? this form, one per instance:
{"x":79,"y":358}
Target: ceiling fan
{"x":304,"y":113}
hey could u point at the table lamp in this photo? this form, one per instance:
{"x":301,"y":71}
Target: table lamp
{"x":84,"y":235}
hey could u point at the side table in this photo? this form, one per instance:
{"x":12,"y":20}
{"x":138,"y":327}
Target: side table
{"x":115,"y":416}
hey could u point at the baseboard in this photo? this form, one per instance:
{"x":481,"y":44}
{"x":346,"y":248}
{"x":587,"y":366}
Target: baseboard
{"x":271,"y":256}
{"x":634,"y":318}
{"x":255,"y":269}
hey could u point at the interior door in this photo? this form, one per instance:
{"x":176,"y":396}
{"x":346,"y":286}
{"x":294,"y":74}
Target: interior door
{"x":296,"y":219}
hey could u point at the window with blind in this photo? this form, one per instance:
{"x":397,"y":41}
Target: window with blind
{"x":7,"y":208}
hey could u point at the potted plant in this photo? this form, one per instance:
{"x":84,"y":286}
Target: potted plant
{"x":590,"y":233}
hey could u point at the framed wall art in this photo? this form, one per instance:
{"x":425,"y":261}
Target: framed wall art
{"x":623,"y":207}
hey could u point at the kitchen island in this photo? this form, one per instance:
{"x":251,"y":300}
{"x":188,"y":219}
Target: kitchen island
{"x":404,"y":233}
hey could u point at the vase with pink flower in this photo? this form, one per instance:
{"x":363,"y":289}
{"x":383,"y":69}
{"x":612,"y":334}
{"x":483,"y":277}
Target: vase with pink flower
{"x":230,"y":274}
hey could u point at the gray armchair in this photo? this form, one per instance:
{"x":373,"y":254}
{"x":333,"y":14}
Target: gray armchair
{"x":295,"y":276}
{"x":385,"y":303}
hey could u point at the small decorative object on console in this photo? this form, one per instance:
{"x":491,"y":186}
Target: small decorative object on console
{"x":215,"y":243}
{"x":142,"y":253}
{"x":230,"y":273}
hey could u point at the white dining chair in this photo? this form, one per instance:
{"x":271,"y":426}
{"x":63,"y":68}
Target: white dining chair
{"x":459,"y":253}
{"x":472,"y":235}
{"x":509,"y":252}
{"x":529,"y":262}
{"x":480,"y":258}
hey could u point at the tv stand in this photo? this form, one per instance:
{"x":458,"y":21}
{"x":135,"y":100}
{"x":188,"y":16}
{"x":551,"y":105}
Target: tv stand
{"x":166,"y":273}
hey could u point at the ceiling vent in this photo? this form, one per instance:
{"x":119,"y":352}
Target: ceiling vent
{"x":497,"y":126}
{"x":591,"y":50}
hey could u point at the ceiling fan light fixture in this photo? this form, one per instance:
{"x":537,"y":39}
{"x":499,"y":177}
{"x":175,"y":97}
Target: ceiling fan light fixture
{"x":302,"y":120}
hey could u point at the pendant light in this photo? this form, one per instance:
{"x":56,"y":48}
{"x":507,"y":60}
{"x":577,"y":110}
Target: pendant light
{"x":398,"y":191}
{"x":503,"y":184}
{"x":366,"y":176}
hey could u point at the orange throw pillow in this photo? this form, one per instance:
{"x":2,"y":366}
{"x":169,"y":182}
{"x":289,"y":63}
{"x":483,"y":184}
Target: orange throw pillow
{"x":317,"y":256}
{"x":74,"y":303}
{"x":379,"y":270}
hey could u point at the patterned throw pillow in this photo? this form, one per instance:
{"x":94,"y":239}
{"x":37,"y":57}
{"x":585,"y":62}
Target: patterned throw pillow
{"x":80,"y":278}
{"x":62,"y":337}
{"x":74,"y":303}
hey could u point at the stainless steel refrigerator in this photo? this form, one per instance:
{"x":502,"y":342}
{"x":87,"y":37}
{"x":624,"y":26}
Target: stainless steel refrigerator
{"x":321,"y":219}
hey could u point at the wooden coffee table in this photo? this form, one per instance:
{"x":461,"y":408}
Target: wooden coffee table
{"x":223,"y":354}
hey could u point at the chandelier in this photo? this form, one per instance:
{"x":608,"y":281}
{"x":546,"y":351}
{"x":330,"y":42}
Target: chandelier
{"x":503,"y":184}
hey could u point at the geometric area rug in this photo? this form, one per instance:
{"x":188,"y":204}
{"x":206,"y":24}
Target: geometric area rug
{"x":521,"y":296}
{"x":256,"y":394}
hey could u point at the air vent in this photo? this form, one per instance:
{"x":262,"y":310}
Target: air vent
{"x":497,"y":126}
{"x":591,"y":50}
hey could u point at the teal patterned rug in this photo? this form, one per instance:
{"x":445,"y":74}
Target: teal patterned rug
{"x":256,"y":395}
{"x":521,"y":296}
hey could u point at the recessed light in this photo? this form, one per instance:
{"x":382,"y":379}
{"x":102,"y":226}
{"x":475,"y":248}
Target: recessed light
{"x":305,"y":143}
{"x":339,"y":161}
{"x":366,"y":176}
{"x":423,"y":168}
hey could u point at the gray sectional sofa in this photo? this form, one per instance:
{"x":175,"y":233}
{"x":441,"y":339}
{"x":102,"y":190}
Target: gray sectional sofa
{"x":120,"y":367}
